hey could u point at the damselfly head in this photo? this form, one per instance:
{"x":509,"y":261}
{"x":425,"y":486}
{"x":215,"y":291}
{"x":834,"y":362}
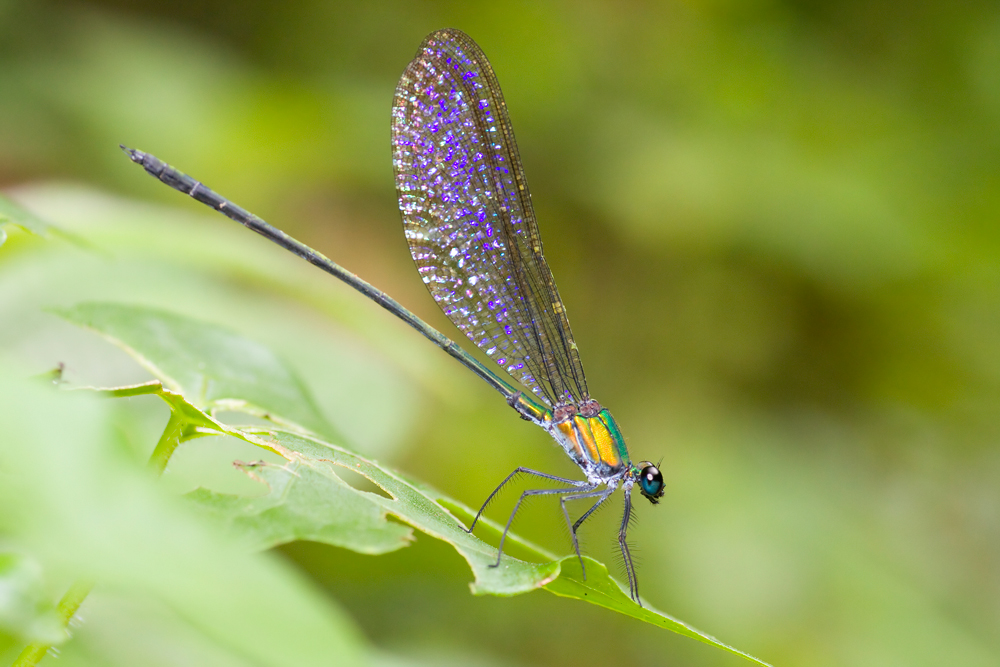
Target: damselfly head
{"x":650,"y":481}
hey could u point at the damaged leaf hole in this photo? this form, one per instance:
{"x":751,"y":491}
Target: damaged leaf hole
{"x":359,"y":482}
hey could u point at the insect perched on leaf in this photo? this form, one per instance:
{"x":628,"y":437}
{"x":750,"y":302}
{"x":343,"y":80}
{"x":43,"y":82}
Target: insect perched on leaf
{"x":471,"y":229}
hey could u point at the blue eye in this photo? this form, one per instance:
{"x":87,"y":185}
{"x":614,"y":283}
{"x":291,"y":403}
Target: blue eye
{"x":651,"y":483}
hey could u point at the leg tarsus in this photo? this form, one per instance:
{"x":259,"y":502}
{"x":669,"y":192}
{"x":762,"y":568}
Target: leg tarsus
{"x":604,"y":493}
{"x":633,"y":584}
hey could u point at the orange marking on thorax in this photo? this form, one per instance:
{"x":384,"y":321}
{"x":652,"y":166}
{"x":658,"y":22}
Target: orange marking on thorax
{"x":591,"y":439}
{"x":581,"y":426}
{"x":567,"y":430}
{"x":605,"y":442}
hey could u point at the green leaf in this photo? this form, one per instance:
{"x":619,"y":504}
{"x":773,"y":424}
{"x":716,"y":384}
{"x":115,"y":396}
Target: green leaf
{"x":417,"y":505}
{"x":301,"y":504}
{"x":25,"y":608}
{"x":307,"y":496}
{"x":600,"y":589}
{"x":212,"y":367}
{"x":312,"y":461}
{"x":11,"y":213}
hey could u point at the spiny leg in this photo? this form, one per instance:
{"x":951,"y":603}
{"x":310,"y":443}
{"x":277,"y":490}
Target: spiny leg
{"x":603,"y":493}
{"x":529,"y":471}
{"x":517,"y":506}
{"x":633,"y":584}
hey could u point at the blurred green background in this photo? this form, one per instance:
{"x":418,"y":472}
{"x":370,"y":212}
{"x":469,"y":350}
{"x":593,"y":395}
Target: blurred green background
{"x":774,"y":225}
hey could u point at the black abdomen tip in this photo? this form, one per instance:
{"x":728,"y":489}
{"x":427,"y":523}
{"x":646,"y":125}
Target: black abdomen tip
{"x":134,"y":155}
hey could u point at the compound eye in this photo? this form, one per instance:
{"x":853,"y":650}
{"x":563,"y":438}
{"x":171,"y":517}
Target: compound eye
{"x":651,"y":483}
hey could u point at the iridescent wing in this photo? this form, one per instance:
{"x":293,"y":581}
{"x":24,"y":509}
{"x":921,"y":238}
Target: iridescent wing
{"x":468,"y":218}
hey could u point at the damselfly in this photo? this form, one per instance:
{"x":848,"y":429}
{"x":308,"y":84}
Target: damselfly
{"x":471,"y":229}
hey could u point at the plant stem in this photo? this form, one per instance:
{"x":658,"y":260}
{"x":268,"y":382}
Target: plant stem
{"x":68,"y":605}
{"x":168,"y":443}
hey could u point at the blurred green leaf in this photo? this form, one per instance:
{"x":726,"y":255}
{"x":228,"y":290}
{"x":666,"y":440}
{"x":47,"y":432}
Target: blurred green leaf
{"x":175,"y":261}
{"x":25,"y":608}
{"x":213,"y":368}
{"x":83,"y":508}
{"x":307,"y":497}
{"x":11,"y":213}
{"x":67,"y":608}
